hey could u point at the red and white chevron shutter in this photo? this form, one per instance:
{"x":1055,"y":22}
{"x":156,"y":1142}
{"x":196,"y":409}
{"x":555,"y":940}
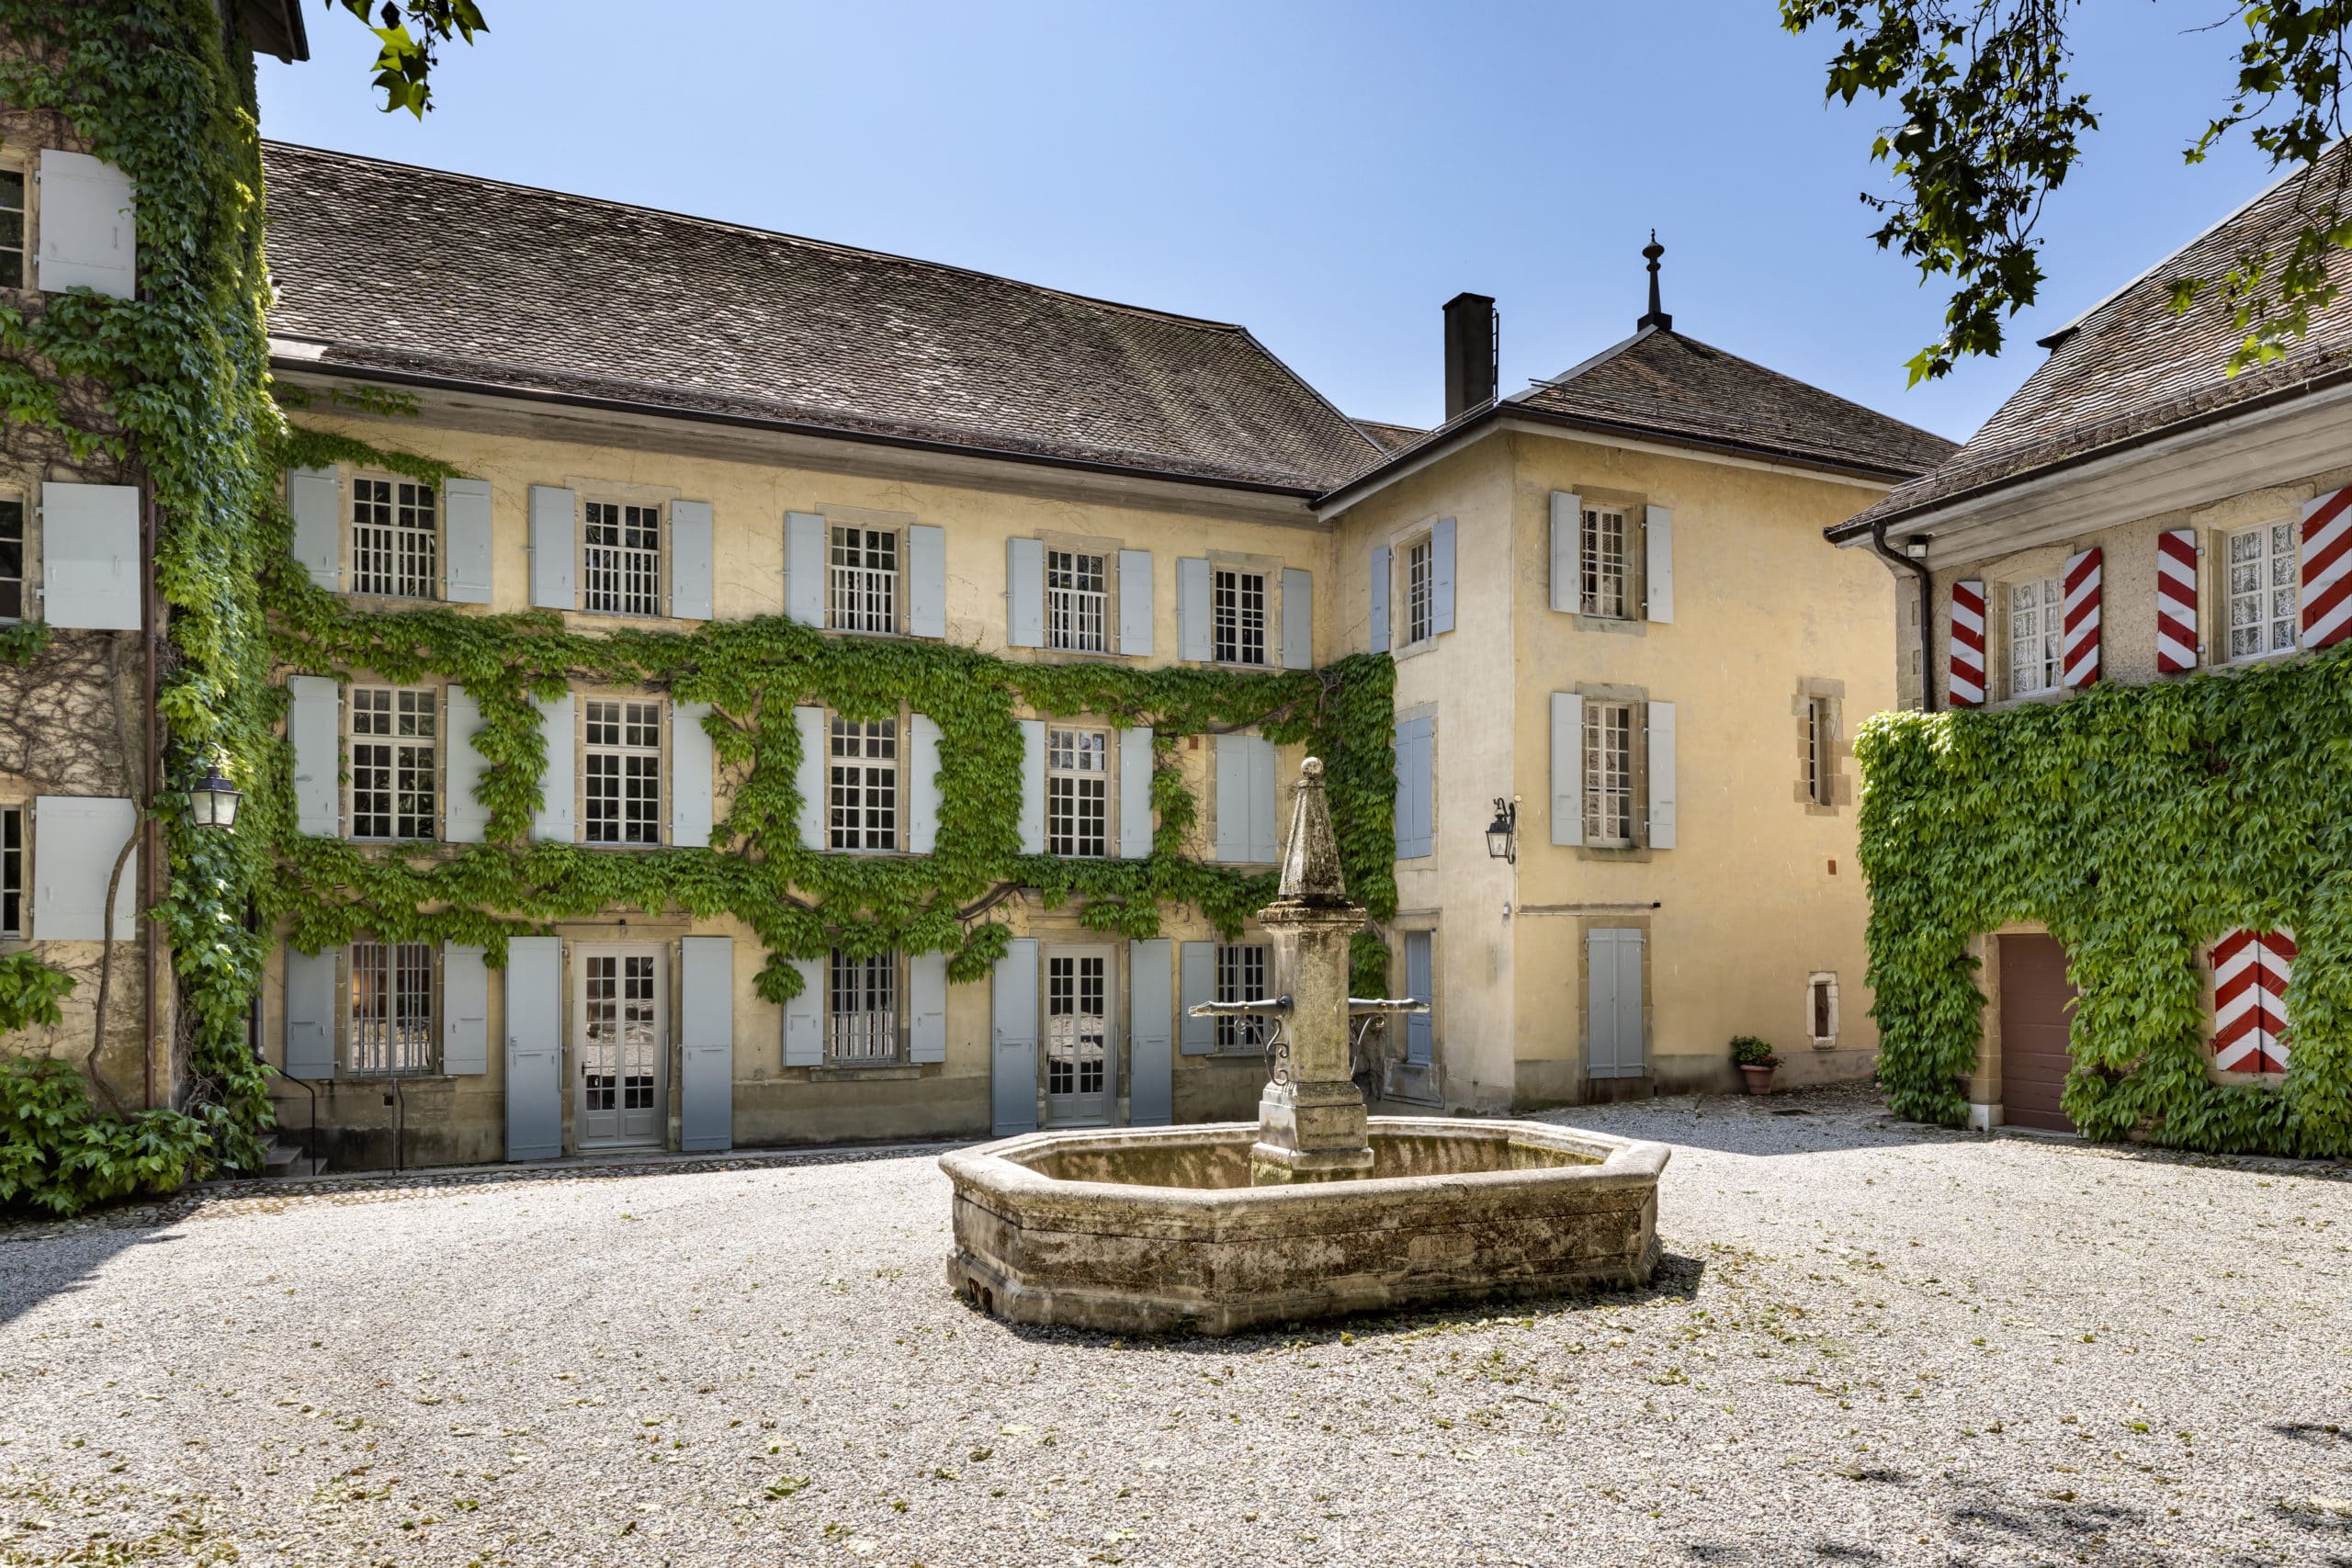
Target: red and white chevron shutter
{"x":1967,"y":643}
{"x":2250,"y":971}
{"x":2078,"y":652}
{"x":2327,"y":569}
{"x":2176,"y":601}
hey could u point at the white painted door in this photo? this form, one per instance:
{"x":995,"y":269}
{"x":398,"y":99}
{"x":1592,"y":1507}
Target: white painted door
{"x":1077,"y":1036}
{"x":619,"y":997}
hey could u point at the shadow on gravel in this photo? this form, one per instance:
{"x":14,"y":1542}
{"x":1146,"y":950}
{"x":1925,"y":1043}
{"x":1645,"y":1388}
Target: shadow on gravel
{"x":33,"y":1271}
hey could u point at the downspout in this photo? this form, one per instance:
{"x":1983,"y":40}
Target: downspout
{"x":1926,"y":604}
{"x":148,"y":879}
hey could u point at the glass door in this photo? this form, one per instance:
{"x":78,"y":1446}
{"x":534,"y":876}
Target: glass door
{"x":622,"y":1048}
{"x":1078,"y":1036}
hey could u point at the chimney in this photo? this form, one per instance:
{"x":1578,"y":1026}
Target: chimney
{"x":1469,"y":353}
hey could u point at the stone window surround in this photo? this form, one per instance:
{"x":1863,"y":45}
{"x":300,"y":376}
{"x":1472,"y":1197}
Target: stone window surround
{"x":345,"y":719}
{"x":1269,"y":567}
{"x":1586,"y":925}
{"x":343,"y":1043}
{"x":347,"y":477}
{"x":1637,"y":780}
{"x":586,"y":489}
{"x":1821,"y":977}
{"x":580,"y":697}
{"x":1838,"y":750}
{"x":901,"y":1024}
{"x":22,"y":494}
{"x":902,"y":744}
{"x":1050,"y":540}
{"x":1635,"y":505}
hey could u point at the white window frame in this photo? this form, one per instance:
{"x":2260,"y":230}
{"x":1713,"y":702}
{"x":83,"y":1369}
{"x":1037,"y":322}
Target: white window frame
{"x":1065,"y":978}
{"x":621,"y":771}
{"x":1243,"y":971}
{"x":2276,"y":569}
{"x":864,"y":570}
{"x":864,"y":804}
{"x":16,"y":851}
{"x":620,"y":575}
{"x":1078,"y":793}
{"x":1077,"y":600}
{"x":2037,"y":633}
{"x":395,"y":537}
{"x":1612,"y":738}
{"x":1819,"y":763}
{"x":396,"y":1037}
{"x":15,"y":583}
{"x":1604,"y":563}
{"x":22,"y":249}
{"x":1420,"y":590}
{"x":1238,"y":616}
{"x":866,"y":1034}
{"x":404,"y":724}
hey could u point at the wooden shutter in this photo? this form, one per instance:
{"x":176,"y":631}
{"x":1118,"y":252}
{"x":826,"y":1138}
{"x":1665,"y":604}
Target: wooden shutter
{"x":1013,"y":1048}
{"x":1032,"y":786}
{"x":2176,"y":646}
{"x":314,"y":496}
{"x":1193,"y":641}
{"x":1967,"y":643}
{"x":1196,"y":983}
{"x":310,"y":1015}
{"x":1661,"y":776}
{"x":554,"y":548}
{"x":691,"y":567}
{"x":465,"y":540}
{"x":2251,"y":970}
{"x":927,"y":1007}
{"x":1441,"y":575}
{"x":804,"y":568}
{"x":1265,"y":799}
{"x":90,"y":556}
{"x":1024,"y":594}
{"x":1567,"y":768}
{"x":552,"y":821}
{"x":924,"y":798}
{"x":926,"y":581}
{"x":465,"y":1011}
{"x":804,"y":1016}
{"x":1134,"y":603}
{"x":464,"y":820}
{"x":1420,"y":985}
{"x":1298,"y":619}
{"x":314,"y":732}
{"x":1233,"y":753}
{"x":75,"y":840}
{"x":706,"y":1043}
{"x":692,"y":808}
{"x":1568,"y":535}
{"x":1614,"y":1002}
{"x":1151,"y":1085}
{"x":810,"y":778}
{"x":1135,"y":793}
{"x":534,"y":1047}
{"x":2078,"y":646}
{"x":1380,"y":599}
{"x":1658,"y":562}
{"x":2326,"y":556}
{"x":88,"y":224}
{"x":1415,"y":760}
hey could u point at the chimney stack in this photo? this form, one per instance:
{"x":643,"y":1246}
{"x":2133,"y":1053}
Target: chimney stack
{"x":1469,"y":354}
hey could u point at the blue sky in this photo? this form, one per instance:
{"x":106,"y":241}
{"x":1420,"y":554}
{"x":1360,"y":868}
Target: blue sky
{"x":1327,"y":175}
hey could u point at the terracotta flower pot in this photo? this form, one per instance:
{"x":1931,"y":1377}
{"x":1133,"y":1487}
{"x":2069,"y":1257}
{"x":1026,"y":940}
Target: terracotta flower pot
{"x":1759,"y":1079}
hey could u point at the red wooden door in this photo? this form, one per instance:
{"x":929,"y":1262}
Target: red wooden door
{"x":2036,"y":1001}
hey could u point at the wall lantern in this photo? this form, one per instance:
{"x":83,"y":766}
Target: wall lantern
{"x":1502,"y":833}
{"x":1916,"y":547}
{"x":212,"y":800}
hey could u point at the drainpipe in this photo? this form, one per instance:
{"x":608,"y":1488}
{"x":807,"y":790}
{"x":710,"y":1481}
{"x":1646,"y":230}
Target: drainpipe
{"x":149,"y":879}
{"x":1927,"y":604}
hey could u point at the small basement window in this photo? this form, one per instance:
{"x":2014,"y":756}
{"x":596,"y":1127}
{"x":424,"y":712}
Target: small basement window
{"x":1821,"y":1009}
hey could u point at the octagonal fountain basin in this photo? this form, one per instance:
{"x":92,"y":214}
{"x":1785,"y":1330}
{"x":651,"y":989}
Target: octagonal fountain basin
{"x":1158,"y":1230}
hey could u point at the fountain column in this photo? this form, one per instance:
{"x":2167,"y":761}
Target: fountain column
{"x":1311,"y":1118}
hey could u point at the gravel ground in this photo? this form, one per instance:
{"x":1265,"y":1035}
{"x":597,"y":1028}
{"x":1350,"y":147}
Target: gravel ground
{"x":1867,"y":1344}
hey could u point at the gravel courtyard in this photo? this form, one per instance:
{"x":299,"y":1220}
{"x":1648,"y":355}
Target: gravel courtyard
{"x":1866,"y":1345}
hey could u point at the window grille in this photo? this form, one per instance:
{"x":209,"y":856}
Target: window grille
{"x":12,"y":228}
{"x":1077,"y":1025}
{"x":1420,"y":591}
{"x":1818,"y":760}
{"x":2265,"y":591}
{"x":1078,"y":779}
{"x":391,"y":1007}
{"x":1240,"y":617}
{"x":12,"y":871}
{"x":1608,"y":773}
{"x":623,"y":771}
{"x":2037,"y":636}
{"x":1603,"y":556}
{"x":12,"y":560}
{"x":863,"y":588}
{"x":394,"y":749}
{"x":862,"y":1023}
{"x":1240,"y":977}
{"x":622,"y":561}
{"x":617,"y":1067}
{"x":1076,"y":602}
{"x":394,"y":543}
{"x":863,"y":810}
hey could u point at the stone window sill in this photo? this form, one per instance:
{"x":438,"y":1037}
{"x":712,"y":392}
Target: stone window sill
{"x":842,"y":1072}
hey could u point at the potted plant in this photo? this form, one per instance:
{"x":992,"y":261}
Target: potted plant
{"x":1756,"y":1063}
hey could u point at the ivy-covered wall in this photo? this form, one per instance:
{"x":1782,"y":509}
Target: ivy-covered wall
{"x":2138,"y":824}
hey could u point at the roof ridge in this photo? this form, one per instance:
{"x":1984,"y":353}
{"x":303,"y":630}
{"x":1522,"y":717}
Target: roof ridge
{"x":1573,"y":371}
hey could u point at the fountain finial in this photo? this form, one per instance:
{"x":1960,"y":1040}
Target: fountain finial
{"x":1311,"y":874}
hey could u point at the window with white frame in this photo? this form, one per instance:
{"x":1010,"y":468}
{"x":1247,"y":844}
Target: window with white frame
{"x":861,"y":1010}
{"x":1420,"y":590}
{"x":861,"y":585}
{"x":1240,"y":977}
{"x":12,"y":228}
{"x":623,"y":771}
{"x":1078,"y":779}
{"x":2265,"y":591}
{"x":394,"y":753}
{"x":1608,"y":774}
{"x":1077,"y":603}
{"x":2037,"y":636}
{"x":395,"y":547}
{"x":391,"y":1008}
{"x":12,"y":871}
{"x":1820,"y":760}
{"x":12,"y":558}
{"x":1240,"y":617}
{"x":1604,"y":588}
{"x":863,"y":789}
{"x":621,"y":559}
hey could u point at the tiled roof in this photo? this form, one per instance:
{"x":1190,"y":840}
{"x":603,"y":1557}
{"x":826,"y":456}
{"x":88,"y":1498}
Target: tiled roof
{"x":1392,"y":437}
{"x":2130,"y":367}
{"x":420,"y":272}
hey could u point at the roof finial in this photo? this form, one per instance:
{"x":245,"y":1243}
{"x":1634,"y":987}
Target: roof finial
{"x":1657,"y":317}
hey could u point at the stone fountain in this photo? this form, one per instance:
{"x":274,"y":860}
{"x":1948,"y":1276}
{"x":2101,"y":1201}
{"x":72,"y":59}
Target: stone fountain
{"x":1315,"y":1210}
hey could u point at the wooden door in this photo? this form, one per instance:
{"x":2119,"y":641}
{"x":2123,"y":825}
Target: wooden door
{"x":2037,"y":1004}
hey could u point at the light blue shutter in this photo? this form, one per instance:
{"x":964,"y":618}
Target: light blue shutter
{"x":464,"y":820}
{"x":1192,"y":611}
{"x":1134,"y":603}
{"x":927,"y":1007}
{"x":1265,"y":828}
{"x":804,"y":1017}
{"x":1661,"y":770}
{"x":1415,"y":755}
{"x":1441,"y":575}
{"x":1614,"y":1002}
{"x":1567,"y":768}
{"x":707,"y":1043}
{"x":89,"y":226}
{"x":1232,"y":797}
{"x":1657,"y":534}
{"x":552,"y":821}
{"x":1568,"y":539}
{"x":1135,"y":794}
{"x":1420,"y":985}
{"x":1379,"y":600}
{"x":1151,"y":1086}
{"x":90,"y":556}
{"x":1024,"y":594}
{"x":924,"y":798}
{"x":810,"y":778}
{"x":75,"y":840}
{"x":1196,"y":983}
{"x":313,"y":731}
{"x":1298,"y":619}
{"x":465,"y":541}
{"x":1012,"y":1052}
{"x":315,"y":498}
{"x":309,"y":1014}
{"x":1032,"y":786}
{"x":553,"y":548}
{"x":926,"y":581}
{"x":534,"y":1047}
{"x":691,"y":549}
{"x":465,"y":1011}
{"x":804,"y":568}
{"x":691,"y":808}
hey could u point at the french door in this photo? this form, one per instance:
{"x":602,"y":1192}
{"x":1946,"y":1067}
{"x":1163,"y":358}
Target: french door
{"x":620,"y":1012}
{"x":1079,"y":1054}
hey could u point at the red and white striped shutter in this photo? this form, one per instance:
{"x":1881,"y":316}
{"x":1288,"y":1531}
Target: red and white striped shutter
{"x":1968,"y":643}
{"x":2176,"y":601}
{"x":2078,"y":652}
{"x":2250,"y":970}
{"x":2327,"y":569}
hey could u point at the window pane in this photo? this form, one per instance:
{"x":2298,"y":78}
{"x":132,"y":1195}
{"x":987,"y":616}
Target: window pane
{"x":621,"y":559}
{"x":621,"y":771}
{"x":862,"y":1016}
{"x":862,"y":786}
{"x":862,"y":584}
